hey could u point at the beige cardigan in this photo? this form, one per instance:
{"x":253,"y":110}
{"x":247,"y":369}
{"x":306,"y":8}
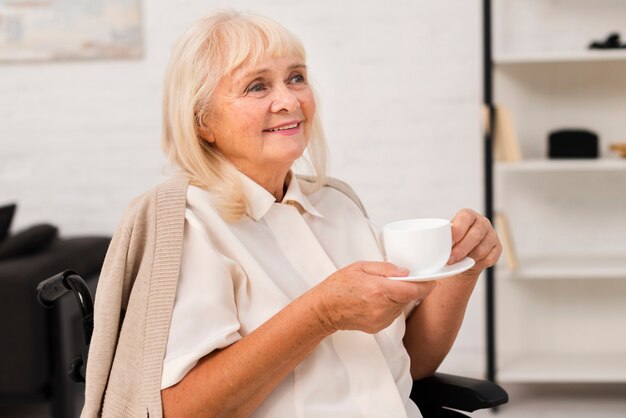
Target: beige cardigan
{"x":134,"y":303}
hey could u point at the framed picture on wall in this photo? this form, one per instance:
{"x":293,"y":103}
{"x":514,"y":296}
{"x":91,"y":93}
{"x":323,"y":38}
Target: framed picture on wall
{"x":69,"y":29}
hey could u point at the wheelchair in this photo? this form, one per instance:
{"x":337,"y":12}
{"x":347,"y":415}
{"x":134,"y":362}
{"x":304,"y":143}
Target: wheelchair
{"x":437,"y":396}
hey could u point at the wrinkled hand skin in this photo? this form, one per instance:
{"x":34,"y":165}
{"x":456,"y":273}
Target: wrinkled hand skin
{"x":360,"y":297}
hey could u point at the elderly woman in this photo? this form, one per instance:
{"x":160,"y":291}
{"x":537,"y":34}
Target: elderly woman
{"x":238,"y":288}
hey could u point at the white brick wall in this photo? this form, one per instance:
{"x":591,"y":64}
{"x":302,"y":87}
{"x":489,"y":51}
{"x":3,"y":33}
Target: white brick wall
{"x":399,"y":86}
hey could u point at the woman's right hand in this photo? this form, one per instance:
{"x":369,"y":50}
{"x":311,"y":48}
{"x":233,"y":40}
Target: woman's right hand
{"x":360,"y":297}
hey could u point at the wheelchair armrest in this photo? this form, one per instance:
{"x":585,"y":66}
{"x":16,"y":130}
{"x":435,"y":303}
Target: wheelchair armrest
{"x":456,"y":392}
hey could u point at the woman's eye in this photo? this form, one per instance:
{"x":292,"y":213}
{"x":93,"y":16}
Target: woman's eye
{"x":297,"y":78}
{"x":255,"y":88}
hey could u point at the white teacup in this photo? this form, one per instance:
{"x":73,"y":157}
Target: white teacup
{"x":421,"y":245}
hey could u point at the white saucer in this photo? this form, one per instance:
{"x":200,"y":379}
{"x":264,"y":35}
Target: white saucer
{"x":446,"y":271}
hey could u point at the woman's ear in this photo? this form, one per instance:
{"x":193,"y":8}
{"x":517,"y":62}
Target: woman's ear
{"x":205,"y":133}
{"x":203,"y":130}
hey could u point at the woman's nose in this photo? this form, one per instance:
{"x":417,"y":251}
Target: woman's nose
{"x":284,"y":99}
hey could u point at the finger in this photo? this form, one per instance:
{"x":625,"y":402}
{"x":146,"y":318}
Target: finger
{"x":461,"y":223}
{"x":405,"y":292}
{"x":474,"y":236}
{"x":483,"y":249}
{"x":492,"y":258}
{"x":489,"y":260}
{"x":382,"y":268}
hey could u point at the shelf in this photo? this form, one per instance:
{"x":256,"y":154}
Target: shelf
{"x":563,"y":368}
{"x":545,"y":165}
{"x":558,"y":317}
{"x":569,"y":267}
{"x":565,"y":57}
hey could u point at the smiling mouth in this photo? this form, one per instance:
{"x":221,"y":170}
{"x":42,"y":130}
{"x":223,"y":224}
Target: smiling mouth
{"x":283,"y":128}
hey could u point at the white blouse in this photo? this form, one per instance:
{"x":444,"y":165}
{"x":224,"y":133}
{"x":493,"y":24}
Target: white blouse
{"x":236,"y":276}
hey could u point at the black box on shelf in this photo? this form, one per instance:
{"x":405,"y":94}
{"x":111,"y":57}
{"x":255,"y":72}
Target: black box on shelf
{"x":572,"y":143}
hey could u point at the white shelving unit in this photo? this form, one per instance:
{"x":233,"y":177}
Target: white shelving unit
{"x":560,"y":57}
{"x":563,"y":368}
{"x":569,"y":267}
{"x":553,"y":166}
{"x":561,"y":315}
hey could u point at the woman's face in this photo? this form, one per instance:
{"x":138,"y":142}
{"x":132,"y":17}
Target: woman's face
{"x":261,"y":115}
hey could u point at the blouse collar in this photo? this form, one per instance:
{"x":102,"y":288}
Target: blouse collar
{"x":259,"y":200}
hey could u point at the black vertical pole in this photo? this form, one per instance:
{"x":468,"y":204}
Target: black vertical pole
{"x":489,"y":129}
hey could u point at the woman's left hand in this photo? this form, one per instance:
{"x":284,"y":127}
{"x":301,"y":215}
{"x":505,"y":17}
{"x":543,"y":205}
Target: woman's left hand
{"x":433,"y":325}
{"x":473,"y":236}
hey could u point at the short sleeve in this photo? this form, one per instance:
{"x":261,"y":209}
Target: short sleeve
{"x":205,"y":314}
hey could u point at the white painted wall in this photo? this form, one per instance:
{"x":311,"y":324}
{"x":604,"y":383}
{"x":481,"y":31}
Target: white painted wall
{"x":399,"y":86}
